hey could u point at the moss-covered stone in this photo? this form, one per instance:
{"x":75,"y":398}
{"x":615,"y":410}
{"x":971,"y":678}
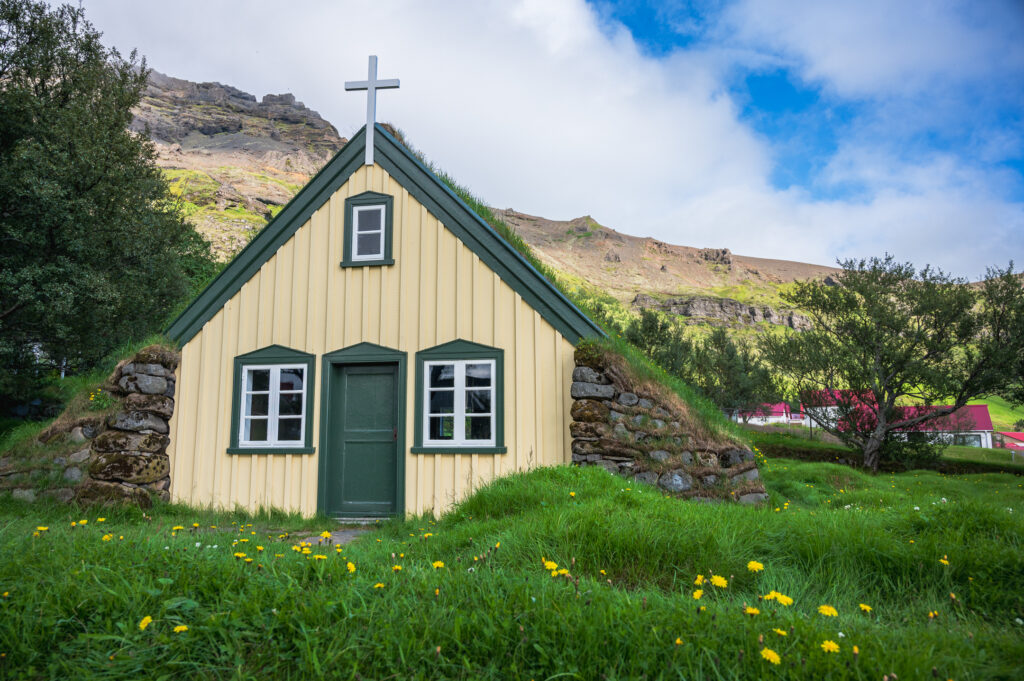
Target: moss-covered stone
{"x":131,"y":467}
{"x":589,"y":411}
{"x":117,"y":441}
{"x":154,"y":404}
{"x":587,"y":429}
{"x":99,"y":493}
{"x":158,"y":354}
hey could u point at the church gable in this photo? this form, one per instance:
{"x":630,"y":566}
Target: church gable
{"x":430,"y":192}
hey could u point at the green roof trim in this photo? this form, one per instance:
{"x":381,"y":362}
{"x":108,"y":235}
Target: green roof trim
{"x":426,"y":188}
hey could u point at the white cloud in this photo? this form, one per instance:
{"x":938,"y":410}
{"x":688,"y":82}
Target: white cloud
{"x":537,"y":106}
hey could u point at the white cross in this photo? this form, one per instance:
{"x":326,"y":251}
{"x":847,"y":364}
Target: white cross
{"x":371,"y":85}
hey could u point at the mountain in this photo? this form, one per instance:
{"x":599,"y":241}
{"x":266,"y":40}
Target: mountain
{"x":233,"y":161}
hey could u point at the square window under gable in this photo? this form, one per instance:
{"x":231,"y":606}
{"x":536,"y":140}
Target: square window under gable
{"x":368,"y":230}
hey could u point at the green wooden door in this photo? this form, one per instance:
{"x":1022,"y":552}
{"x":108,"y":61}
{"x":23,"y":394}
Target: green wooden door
{"x":362,"y":449}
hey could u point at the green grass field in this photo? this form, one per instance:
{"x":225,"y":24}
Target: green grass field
{"x":469,"y":597}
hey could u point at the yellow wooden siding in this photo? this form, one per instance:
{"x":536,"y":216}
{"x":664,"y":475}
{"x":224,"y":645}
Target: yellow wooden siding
{"x":437,"y":291}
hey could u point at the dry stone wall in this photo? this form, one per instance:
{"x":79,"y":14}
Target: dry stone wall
{"x":128,"y":460}
{"x":634,"y":434}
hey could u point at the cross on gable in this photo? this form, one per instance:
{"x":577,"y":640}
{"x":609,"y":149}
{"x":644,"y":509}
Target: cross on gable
{"x":371,"y":85}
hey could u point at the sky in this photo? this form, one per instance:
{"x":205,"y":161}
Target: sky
{"x":793,"y":129}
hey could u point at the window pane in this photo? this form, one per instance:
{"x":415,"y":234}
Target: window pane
{"x":291,"y":379}
{"x":256,"y":405}
{"x":478,"y":374}
{"x":442,"y":401}
{"x":290,"y":405}
{"x":255,"y":430}
{"x":369,"y":220}
{"x":478,"y":401}
{"x":368,"y":244}
{"x":289,"y":429}
{"x":259,"y":379}
{"x":442,"y":376}
{"x":442,"y":427}
{"x":478,"y":428}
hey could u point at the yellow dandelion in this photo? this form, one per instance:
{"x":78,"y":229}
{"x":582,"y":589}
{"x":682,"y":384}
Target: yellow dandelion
{"x":437,"y":564}
{"x":101,"y":520}
{"x":239,"y":555}
{"x":319,"y":557}
{"x":259,"y":548}
{"x":865,"y":607}
{"x":427,"y":535}
{"x":828,"y":611}
{"x":603,"y":572}
{"x":770,"y":655}
{"x":698,"y":594}
{"x":572,"y":494}
{"x":830,"y":647}
{"x":550,"y":565}
{"x":856,"y":650}
{"x":378,"y":585}
{"x":699,"y":580}
{"x":144,"y":622}
{"x":177,"y":528}
{"x":83,"y":522}
{"x":108,"y":537}
{"x":944,"y":560}
{"x":782,"y":599}
{"x":42,"y":528}
{"x":719,"y":581}
{"x":781,"y":632}
{"x":755,"y":566}
{"x":196,"y":525}
{"x":180,"y":629}
{"x":751,"y":611}
{"x":325,"y":534}
{"x":679,"y":641}
{"x":396,"y":568}
{"x":350,"y":566}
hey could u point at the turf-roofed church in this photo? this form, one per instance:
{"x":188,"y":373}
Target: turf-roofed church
{"x":377,"y":349}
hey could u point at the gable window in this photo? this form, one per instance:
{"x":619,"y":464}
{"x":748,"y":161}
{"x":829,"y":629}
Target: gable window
{"x":272,"y":400}
{"x":459,"y":400}
{"x":368,"y":230}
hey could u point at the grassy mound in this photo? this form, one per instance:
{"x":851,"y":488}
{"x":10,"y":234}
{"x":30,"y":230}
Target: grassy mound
{"x":473,"y":600}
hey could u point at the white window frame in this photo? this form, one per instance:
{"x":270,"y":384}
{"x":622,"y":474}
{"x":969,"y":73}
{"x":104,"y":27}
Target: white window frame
{"x":459,"y":410}
{"x":356,"y":211}
{"x":273,"y":406}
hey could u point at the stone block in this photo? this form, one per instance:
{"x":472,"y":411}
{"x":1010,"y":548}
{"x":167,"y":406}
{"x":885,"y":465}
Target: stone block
{"x":644,"y":403}
{"x":73,"y":474}
{"x":732,"y":457}
{"x":687,"y":458}
{"x":581,"y":391}
{"x":170,"y":389}
{"x":657,"y":423}
{"x":28,"y":495}
{"x":649,"y":477}
{"x":660,"y":455}
{"x":137,"y":421}
{"x":157,"y":354}
{"x":588,"y":375}
{"x":626,"y":467}
{"x":154,"y":404}
{"x":80,"y":456}
{"x":709,"y":480}
{"x":589,"y":411}
{"x":709,"y":459}
{"x":616,"y":416}
{"x":161,"y":484}
{"x":61,"y":494}
{"x":751,"y":474}
{"x":622,"y":432}
{"x":638,"y":419}
{"x":585,"y":447}
{"x":754,"y":498}
{"x":586,"y":429}
{"x":660,"y":413}
{"x":150,"y":369}
{"x":609,"y":466}
{"x":143,"y":383}
{"x":116,"y":441}
{"x":628,"y":399}
{"x":76,"y":435}
{"x":130,"y":467}
{"x":675,"y":481}
{"x":579,"y":458}
{"x":97,"y":492}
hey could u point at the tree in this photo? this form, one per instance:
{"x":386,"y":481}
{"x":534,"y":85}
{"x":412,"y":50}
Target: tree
{"x":726,"y":371}
{"x":886,"y":337}
{"x":92,"y":252}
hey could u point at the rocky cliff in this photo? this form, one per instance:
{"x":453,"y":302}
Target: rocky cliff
{"x":232,"y":160}
{"x":721,"y":311}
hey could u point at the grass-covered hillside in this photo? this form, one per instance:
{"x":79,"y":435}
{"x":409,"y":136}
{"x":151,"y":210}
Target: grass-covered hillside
{"x":558,"y":573}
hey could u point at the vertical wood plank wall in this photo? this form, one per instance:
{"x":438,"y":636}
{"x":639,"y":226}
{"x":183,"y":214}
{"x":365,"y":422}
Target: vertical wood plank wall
{"x":437,"y":291}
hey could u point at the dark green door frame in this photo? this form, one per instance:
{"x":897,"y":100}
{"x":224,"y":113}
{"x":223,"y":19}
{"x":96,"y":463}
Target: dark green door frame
{"x":362,"y":353}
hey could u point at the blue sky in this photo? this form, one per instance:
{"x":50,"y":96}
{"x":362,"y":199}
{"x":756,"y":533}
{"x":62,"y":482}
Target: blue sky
{"x":792,"y":129}
{"x":804,"y":119}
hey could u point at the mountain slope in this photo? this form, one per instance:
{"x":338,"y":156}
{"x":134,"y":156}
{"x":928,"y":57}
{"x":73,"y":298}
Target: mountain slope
{"x":234,"y":162}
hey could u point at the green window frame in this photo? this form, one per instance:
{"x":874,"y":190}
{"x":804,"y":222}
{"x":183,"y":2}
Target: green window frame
{"x":460,"y":352}
{"x":274,"y":358}
{"x":367,"y":203}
